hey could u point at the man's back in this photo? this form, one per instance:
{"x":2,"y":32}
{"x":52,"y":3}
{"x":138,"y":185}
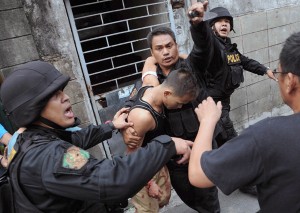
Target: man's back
{"x":280,"y":148}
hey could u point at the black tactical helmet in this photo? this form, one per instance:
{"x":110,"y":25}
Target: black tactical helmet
{"x":26,"y":91}
{"x":221,"y":13}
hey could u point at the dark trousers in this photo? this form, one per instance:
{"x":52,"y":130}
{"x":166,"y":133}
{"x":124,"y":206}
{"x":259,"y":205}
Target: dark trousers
{"x":228,"y":132}
{"x":201,"y":200}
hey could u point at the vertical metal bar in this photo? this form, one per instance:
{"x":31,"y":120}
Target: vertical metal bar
{"x":171,"y":15}
{"x":104,"y":147}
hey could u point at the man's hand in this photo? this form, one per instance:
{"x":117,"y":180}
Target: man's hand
{"x":131,"y":139}
{"x":271,"y":75}
{"x":120,"y":117}
{"x":154,"y":190}
{"x":209,"y":110}
{"x":3,"y":159}
{"x":198,"y":9}
{"x":183,"y":148}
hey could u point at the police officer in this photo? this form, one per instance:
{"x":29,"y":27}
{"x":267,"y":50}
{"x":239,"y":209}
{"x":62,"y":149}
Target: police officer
{"x":225,"y":71}
{"x":48,"y":167}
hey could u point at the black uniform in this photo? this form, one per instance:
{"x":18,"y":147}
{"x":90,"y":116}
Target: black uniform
{"x":225,"y":74}
{"x":56,"y":179}
{"x":183,"y":123}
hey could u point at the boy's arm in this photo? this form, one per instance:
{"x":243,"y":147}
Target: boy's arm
{"x":208,"y":114}
{"x":142,"y":121}
{"x":149,"y":76}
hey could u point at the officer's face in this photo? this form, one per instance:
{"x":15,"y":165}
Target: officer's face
{"x":222,"y":27}
{"x":172,"y":101}
{"x":164,"y":50}
{"x":59,"y":110}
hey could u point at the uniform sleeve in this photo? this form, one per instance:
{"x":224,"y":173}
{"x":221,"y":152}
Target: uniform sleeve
{"x":253,"y":66}
{"x":237,"y":163}
{"x":91,"y":135}
{"x":206,"y":48}
{"x":106,"y":181}
{"x":199,"y":57}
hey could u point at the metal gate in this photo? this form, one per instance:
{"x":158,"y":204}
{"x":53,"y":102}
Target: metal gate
{"x":110,"y":37}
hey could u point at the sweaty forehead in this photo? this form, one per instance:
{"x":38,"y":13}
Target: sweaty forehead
{"x":162,"y":40}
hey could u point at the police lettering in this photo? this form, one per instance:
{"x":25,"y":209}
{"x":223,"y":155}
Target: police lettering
{"x":233,"y":58}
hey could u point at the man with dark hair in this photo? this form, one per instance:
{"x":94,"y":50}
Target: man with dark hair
{"x":265,"y":154}
{"x":48,"y":167}
{"x":182,"y":122}
{"x":148,"y":117}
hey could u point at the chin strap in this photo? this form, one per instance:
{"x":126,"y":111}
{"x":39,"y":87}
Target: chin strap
{"x":50,"y":123}
{"x":56,"y":126}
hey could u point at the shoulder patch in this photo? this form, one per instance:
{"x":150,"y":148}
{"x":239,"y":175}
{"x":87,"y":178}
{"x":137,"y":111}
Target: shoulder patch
{"x":75,"y":158}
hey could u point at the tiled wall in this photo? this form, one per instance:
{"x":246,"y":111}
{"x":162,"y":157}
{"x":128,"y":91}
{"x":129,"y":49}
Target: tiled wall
{"x":260,"y":36}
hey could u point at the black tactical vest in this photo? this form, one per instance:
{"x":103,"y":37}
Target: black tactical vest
{"x":233,"y":60}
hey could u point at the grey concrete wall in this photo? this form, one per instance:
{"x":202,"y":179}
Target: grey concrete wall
{"x":54,"y":41}
{"x":39,"y":30}
{"x":238,"y":8}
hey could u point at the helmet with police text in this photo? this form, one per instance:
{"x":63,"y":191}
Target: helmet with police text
{"x":221,"y":13}
{"x":26,"y":91}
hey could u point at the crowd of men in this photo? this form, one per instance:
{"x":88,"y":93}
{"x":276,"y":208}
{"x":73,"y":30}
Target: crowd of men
{"x":176,"y":128}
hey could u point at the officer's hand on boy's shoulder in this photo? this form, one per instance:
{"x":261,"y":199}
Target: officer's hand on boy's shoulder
{"x":183,"y":148}
{"x":120,"y":117}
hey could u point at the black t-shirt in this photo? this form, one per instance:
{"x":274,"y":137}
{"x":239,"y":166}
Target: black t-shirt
{"x":266,"y":154}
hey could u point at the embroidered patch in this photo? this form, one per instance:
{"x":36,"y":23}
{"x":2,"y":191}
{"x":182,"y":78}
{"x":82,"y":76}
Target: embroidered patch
{"x":75,"y":158}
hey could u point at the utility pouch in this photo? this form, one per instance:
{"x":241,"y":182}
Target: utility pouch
{"x":237,"y":76}
{"x":183,"y":122}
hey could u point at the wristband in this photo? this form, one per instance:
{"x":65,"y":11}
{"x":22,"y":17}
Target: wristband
{"x":2,"y":131}
{"x":149,"y":73}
